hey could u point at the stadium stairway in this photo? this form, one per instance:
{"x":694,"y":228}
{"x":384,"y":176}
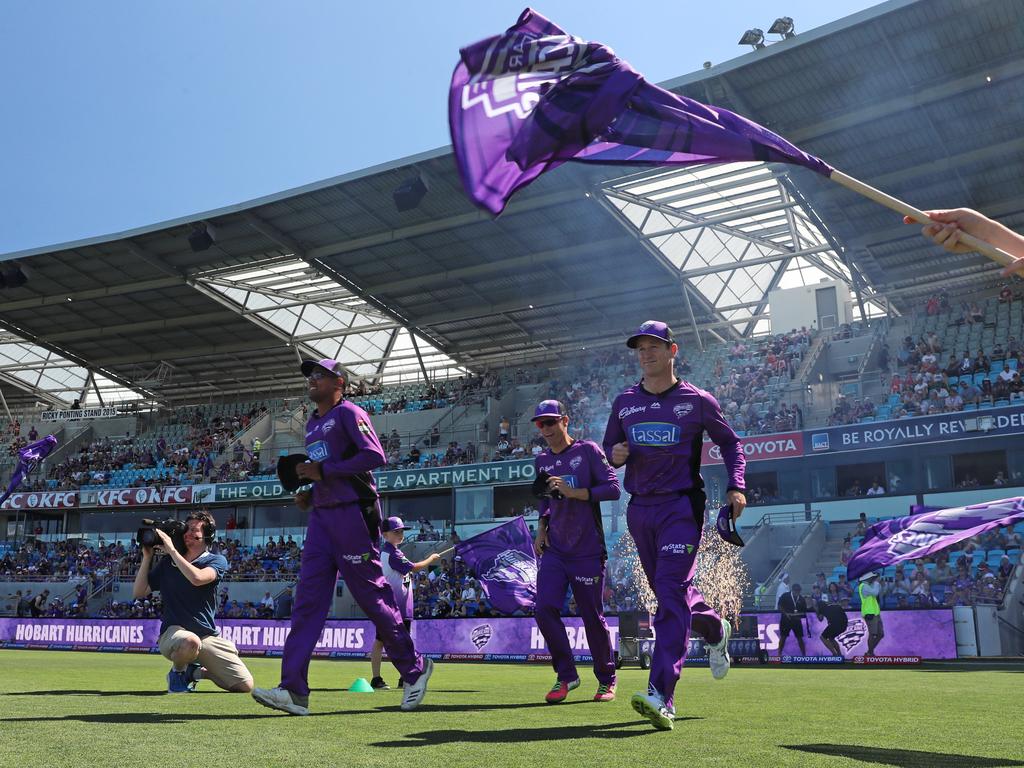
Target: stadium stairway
{"x":827,"y":559}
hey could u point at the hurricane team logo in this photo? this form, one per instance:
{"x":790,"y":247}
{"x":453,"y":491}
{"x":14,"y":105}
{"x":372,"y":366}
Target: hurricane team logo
{"x":682,"y":410}
{"x":854,"y":634}
{"x":481,"y":635}
{"x":512,"y":567}
{"x":575,"y":463}
{"x":541,"y":63}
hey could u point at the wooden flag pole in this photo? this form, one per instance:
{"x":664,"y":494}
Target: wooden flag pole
{"x":445,"y":552}
{"x":997,"y":255}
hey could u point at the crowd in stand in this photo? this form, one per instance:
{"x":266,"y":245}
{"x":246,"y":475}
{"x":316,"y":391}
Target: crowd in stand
{"x":950,"y":578}
{"x":921,"y":382}
{"x":464,"y":390}
{"x":192,"y":459}
{"x":742,"y":390}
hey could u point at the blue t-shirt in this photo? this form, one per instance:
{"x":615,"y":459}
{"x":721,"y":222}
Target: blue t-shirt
{"x":187,"y":605}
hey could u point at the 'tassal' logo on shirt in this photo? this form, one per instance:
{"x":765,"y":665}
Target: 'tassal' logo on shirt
{"x":654,"y":433}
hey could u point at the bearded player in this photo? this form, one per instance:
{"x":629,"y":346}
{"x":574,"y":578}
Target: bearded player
{"x":656,"y":429}
{"x":570,"y":544}
{"x":344,"y":527}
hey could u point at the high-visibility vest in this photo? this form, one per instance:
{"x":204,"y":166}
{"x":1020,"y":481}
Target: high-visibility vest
{"x":868,"y":603}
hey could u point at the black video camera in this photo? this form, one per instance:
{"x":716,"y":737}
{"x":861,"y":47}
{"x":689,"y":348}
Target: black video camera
{"x":146,"y":537}
{"x":540,"y":487}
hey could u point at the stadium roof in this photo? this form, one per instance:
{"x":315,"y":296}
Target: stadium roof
{"x":918,"y":98}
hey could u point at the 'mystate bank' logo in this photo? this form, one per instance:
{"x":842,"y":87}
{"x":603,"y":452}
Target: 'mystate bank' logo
{"x":654,"y":433}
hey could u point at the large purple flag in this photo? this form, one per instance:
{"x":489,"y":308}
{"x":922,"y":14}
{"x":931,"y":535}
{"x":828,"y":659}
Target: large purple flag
{"x":502,"y":560}
{"x":28,"y":459}
{"x":920,"y":535}
{"x":526,"y":101}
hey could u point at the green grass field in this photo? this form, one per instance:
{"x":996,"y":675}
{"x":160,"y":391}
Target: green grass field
{"x":85,"y":709}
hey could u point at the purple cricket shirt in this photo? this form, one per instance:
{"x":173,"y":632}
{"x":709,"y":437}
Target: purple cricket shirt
{"x":665,"y":433}
{"x":344,"y":443}
{"x":574,"y":526}
{"x":397,"y":567}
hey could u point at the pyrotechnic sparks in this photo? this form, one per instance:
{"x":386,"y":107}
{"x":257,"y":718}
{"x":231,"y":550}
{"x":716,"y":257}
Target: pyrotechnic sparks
{"x":721,"y":575}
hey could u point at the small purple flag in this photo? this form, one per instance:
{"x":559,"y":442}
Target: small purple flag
{"x":918,"y":535}
{"x":503,"y":562}
{"x":528,"y":100}
{"x":28,"y":459}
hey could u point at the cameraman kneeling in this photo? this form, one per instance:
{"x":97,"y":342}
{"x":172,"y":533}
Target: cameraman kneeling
{"x":188,"y":586}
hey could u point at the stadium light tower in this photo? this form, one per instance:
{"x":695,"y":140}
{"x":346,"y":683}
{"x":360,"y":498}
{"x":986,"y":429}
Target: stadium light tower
{"x":782,"y":26}
{"x":753,"y":37}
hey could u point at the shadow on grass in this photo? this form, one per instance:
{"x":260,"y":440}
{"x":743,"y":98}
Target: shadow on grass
{"x":519,"y":735}
{"x":902,"y":758}
{"x":91,"y":693}
{"x":482,"y":706}
{"x":162,"y":718}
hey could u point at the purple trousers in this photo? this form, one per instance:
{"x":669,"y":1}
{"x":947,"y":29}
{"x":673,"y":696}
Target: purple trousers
{"x":586,"y":577}
{"x":667,"y":536}
{"x":337,"y":540}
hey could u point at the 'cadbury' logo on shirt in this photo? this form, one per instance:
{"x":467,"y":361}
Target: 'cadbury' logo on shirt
{"x":630,"y":410}
{"x":654,"y":433}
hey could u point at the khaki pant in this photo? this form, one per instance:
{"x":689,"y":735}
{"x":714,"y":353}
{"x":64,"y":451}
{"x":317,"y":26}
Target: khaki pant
{"x":219,"y":656}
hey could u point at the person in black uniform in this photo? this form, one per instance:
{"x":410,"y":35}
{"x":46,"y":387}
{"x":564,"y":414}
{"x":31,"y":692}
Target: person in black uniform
{"x":836,"y":623}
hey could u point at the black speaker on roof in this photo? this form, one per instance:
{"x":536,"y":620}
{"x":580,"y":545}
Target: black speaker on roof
{"x":410,"y":193}
{"x":13,"y":276}
{"x":201,"y":237}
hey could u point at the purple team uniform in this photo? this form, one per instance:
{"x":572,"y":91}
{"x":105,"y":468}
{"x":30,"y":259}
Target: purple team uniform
{"x":665,"y":516}
{"x":342,"y":536}
{"x":575,"y":556}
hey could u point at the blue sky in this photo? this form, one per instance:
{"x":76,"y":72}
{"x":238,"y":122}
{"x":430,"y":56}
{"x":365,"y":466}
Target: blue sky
{"x":122,"y":114}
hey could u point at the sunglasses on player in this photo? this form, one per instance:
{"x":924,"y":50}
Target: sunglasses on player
{"x":320,"y":375}
{"x":547,"y":422}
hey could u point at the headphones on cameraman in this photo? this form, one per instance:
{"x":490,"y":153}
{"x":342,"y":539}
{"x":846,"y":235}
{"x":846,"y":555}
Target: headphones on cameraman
{"x":209,"y":530}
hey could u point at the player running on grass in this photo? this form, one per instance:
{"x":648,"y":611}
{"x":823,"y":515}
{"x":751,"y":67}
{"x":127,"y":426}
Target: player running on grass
{"x":656,"y":429}
{"x":343,"y":535}
{"x":570,"y":543}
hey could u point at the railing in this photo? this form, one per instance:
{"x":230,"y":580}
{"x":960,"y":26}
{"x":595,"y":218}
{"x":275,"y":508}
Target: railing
{"x":811,"y":518}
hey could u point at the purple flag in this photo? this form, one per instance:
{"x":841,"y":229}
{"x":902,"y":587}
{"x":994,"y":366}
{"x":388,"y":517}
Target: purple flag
{"x":503,"y":562}
{"x":28,"y":459}
{"x":922,"y":534}
{"x":526,"y":101}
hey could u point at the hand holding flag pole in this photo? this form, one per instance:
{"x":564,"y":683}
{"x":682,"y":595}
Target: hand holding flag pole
{"x":997,"y":255}
{"x":526,"y":101}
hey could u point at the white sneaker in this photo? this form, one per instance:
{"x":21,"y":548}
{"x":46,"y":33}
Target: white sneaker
{"x":718,"y":654}
{"x":652,"y":706}
{"x":282,"y":699}
{"x":414,"y":693}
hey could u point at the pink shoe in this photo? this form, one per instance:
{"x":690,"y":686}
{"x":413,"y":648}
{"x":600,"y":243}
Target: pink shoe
{"x":560,"y":690}
{"x":605,"y":692}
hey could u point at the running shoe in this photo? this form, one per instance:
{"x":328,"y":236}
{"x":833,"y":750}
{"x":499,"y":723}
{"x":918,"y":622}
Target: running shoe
{"x":560,"y":690}
{"x":282,"y":699}
{"x":718,"y":654}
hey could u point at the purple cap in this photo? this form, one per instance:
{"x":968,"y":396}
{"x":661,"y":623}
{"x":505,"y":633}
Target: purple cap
{"x":393,"y":524}
{"x":726,"y":527}
{"x":653,"y":328}
{"x":549,"y":409}
{"x":331,"y":366}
